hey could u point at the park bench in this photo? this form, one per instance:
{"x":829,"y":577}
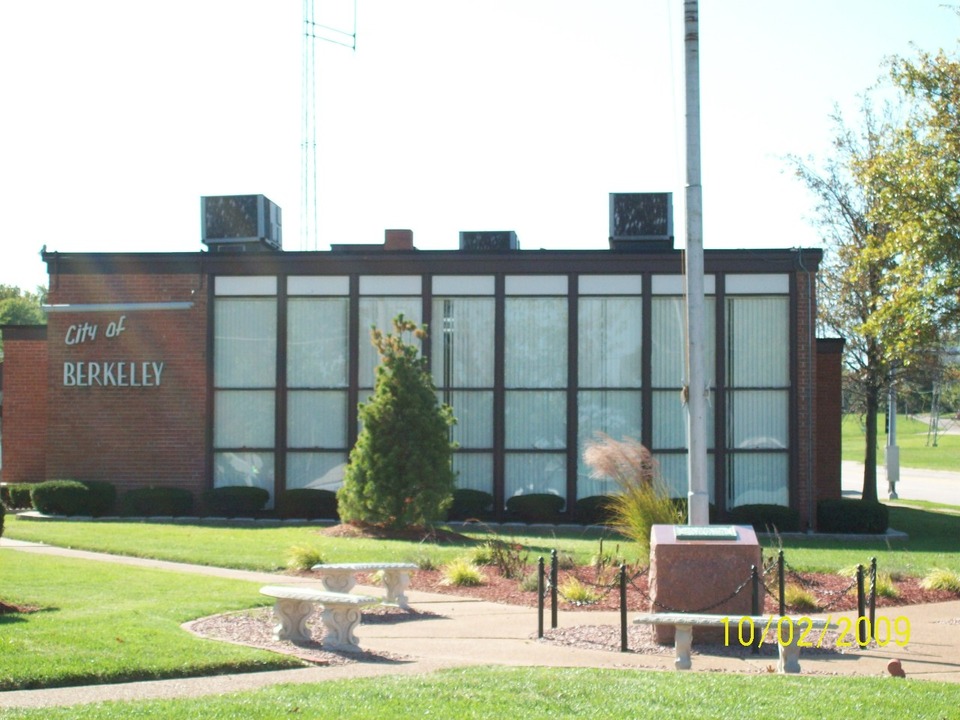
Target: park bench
{"x":789,"y":661}
{"x":341,"y":614}
{"x":341,"y":577}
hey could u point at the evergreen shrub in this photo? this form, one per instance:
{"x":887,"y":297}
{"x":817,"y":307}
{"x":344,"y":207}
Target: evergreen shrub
{"x":535,"y":507}
{"x":592,"y":510}
{"x":3,"y":513}
{"x":235,"y":501}
{"x":766,"y":518}
{"x":846,"y":515}
{"x":308,"y":504}
{"x":469,"y":503}
{"x":101,"y":497}
{"x":19,"y":496}
{"x":61,"y":497}
{"x":400,"y":471}
{"x":157,"y":502}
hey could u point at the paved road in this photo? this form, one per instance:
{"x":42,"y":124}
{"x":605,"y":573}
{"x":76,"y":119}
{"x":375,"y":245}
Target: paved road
{"x":934,"y":485}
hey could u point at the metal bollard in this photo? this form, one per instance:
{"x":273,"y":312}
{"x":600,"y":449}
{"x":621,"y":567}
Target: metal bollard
{"x":540,"y":589}
{"x":781,"y":577}
{"x":623,"y":608}
{"x":553,"y":589}
{"x":755,"y":603}
{"x":873,"y":597}
{"x":861,"y":608}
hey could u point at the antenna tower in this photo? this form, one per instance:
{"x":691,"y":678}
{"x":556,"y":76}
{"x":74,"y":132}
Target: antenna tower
{"x":312,"y":33}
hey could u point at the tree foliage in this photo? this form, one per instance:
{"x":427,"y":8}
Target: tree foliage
{"x":400,"y":471}
{"x":916,"y":178}
{"x":21,"y":307}
{"x":857,"y":265}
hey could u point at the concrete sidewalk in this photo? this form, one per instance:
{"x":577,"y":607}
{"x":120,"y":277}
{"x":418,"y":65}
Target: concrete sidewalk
{"x":460,"y":631}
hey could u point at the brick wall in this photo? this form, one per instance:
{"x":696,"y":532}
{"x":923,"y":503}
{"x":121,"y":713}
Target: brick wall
{"x":829,"y":417}
{"x":128,"y":399}
{"x":24,"y":404}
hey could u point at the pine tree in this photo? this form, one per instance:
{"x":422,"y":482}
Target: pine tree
{"x":400,"y":471}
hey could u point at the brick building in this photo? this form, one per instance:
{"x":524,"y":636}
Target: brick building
{"x":226,"y":367}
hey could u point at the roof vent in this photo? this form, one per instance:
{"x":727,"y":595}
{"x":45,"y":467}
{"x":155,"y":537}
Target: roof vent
{"x":641,"y":221}
{"x":488,"y":240}
{"x":248,"y":222}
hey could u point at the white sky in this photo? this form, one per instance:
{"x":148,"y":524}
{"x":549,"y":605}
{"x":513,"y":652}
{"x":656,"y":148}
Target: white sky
{"x":117,"y":116}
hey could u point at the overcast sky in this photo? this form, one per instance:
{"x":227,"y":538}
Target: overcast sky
{"x":450,"y":115}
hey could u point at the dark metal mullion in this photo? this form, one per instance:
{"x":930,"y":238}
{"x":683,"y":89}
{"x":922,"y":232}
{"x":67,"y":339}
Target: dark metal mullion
{"x":280,"y":394}
{"x":720,"y":411}
{"x":499,"y":398}
{"x":573,"y":379}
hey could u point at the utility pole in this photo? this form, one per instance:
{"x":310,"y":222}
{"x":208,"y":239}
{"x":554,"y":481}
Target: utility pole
{"x":696,"y":389}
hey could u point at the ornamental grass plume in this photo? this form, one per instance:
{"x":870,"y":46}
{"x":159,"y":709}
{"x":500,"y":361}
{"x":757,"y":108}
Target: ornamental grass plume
{"x":642,"y":500}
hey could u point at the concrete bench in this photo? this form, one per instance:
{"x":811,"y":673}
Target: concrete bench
{"x":341,"y":614}
{"x":341,"y":577}
{"x":789,"y":661}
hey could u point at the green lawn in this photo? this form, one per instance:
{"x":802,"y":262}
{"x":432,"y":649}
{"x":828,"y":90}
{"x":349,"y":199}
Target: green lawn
{"x":575,"y":693}
{"x":266,"y":548}
{"x":98,"y":622}
{"x":911,"y":439}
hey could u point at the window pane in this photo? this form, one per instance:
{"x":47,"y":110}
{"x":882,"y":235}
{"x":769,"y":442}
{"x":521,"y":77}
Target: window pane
{"x":670,"y":420}
{"x":758,"y":346}
{"x":674,"y":472}
{"x":380,"y":311}
{"x":536,"y":342}
{"x":244,"y":468}
{"x":316,"y":419}
{"x":317,"y":342}
{"x":536,"y":420}
{"x":610,"y":342}
{"x":474,"y":471}
{"x":474,"y":414}
{"x":318,"y":471}
{"x":463,"y":348}
{"x":669,"y":354}
{"x":535,"y":473}
{"x":243,"y":419}
{"x":245,"y":344}
{"x":757,"y":478}
{"x":613,"y":412}
{"x":758,"y":419}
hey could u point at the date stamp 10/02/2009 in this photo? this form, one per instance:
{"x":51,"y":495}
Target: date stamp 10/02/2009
{"x":856,"y":632}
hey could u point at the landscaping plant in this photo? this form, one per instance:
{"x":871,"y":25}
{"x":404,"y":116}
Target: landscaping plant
{"x":400,"y":472}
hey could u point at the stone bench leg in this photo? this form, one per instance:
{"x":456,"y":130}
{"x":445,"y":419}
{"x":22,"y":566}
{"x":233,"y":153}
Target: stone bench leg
{"x":340,"y":581}
{"x":683,"y":639}
{"x":291,"y":616}
{"x":340,"y":623}
{"x":789,"y":658}
{"x":396,"y":582}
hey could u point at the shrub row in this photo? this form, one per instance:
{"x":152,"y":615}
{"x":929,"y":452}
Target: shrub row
{"x":847,"y":515}
{"x":3,"y":514}
{"x":16,"y":496}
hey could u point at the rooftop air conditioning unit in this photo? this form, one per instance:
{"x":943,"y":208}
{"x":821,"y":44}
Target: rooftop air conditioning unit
{"x":645,"y":218}
{"x":241,"y":220}
{"x":488,"y":240}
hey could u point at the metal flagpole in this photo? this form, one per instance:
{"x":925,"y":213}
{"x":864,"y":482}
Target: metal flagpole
{"x":695,"y":392}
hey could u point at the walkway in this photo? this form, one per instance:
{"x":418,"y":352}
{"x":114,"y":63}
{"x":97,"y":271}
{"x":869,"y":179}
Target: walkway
{"x":461,"y":631}
{"x":937,"y":486}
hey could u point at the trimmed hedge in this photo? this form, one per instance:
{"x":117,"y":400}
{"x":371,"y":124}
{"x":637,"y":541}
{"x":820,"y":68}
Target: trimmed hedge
{"x":101,"y":498}
{"x":3,"y":514}
{"x":61,"y":497}
{"x":469,"y":503}
{"x":309,"y":504}
{"x":536,"y":507}
{"x":766,"y":518}
{"x":156,"y":502}
{"x":235,"y":501}
{"x":847,"y":515}
{"x":592,"y":510}
{"x":16,"y":496}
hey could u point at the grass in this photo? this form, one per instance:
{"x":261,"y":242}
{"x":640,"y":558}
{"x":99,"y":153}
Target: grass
{"x":267,"y":548}
{"x":911,"y":439}
{"x":556,"y":693}
{"x":100,"y":622}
